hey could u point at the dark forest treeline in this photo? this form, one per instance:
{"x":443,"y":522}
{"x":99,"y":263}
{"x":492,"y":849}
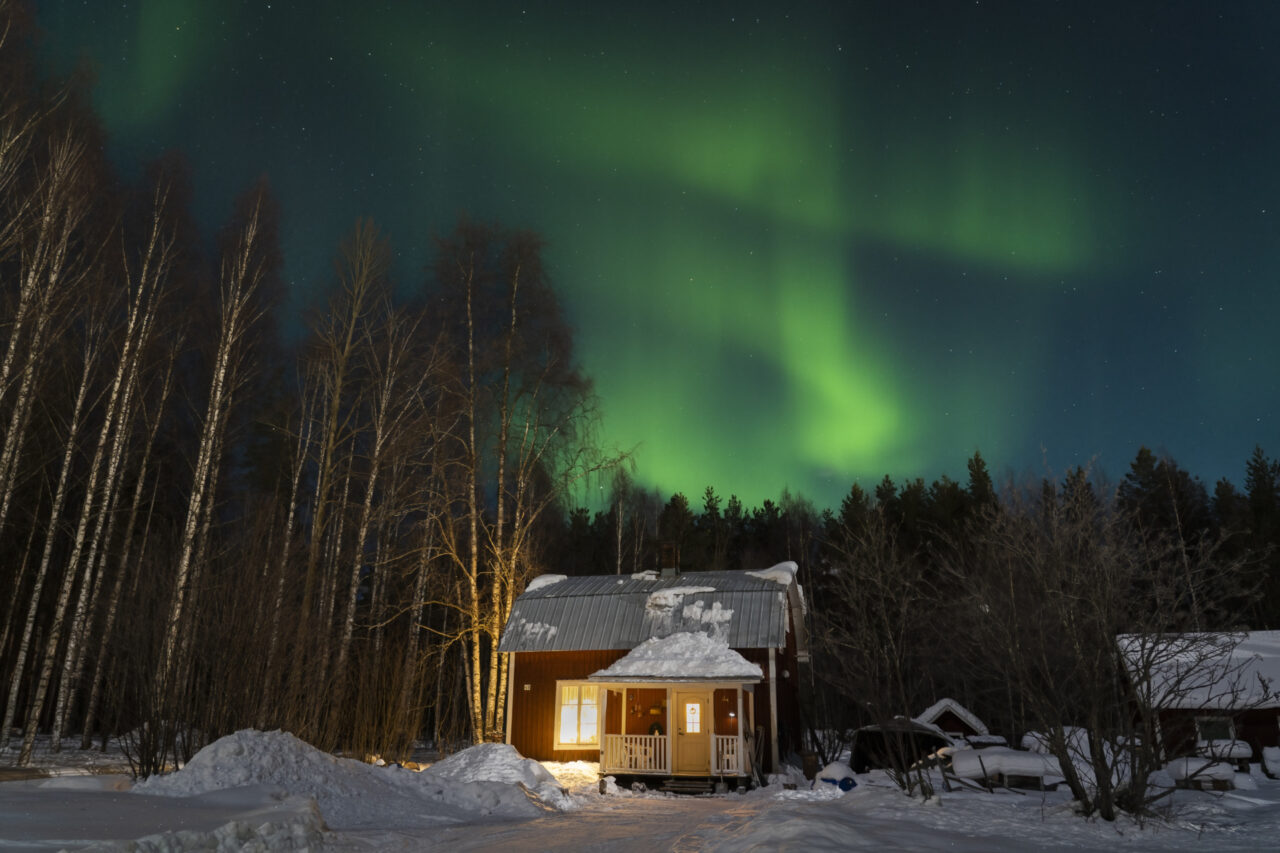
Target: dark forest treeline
{"x":202,"y":529}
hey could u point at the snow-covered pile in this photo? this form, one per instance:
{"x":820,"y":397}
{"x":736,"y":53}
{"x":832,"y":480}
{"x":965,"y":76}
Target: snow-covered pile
{"x":687,"y":655}
{"x":290,"y":825}
{"x":1200,"y":769}
{"x":1231,"y":750}
{"x":1271,"y":760}
{"x":352,"y":794}
{"x":500,"y":762}
{"x":1000,"y":760}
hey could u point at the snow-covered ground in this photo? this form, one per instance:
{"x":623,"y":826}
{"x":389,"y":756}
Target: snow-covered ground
{"x":270,"y":791}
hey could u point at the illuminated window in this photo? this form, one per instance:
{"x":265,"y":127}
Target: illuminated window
{"x":578,"y":715}
{"x":692,"y":718}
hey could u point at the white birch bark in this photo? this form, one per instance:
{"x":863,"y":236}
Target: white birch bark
{"x":241,"y":274}
{"x":51,"y":528}
{"x":44,"y":283}
{"x":126,"y":554}
{"x":143,"y":297}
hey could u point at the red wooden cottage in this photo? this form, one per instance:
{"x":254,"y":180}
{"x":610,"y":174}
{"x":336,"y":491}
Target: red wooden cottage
{"x":664,"y":676}
{"x":1215,"y":695}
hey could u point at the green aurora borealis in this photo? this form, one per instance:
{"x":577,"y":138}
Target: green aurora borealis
{"x":800,"y":247}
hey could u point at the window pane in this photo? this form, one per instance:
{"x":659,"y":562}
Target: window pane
{"x":569,"y":694}
{"x":569,"y":724}
{"x":692,"y":718}
{"x":587,"y":726}
{"x":1215,"y":728}
{"x":590,"y":694}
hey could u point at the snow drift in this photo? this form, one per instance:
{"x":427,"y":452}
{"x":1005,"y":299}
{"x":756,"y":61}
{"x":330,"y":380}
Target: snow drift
{"x":490,"y":781}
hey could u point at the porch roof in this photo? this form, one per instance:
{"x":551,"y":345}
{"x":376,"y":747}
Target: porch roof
{"x":691,"y":656}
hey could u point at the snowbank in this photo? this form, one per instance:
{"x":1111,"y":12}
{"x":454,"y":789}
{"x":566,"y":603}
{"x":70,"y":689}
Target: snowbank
{"x":499,"y":762}
{"x":1271,"y":760}
{"x":1200,"y":769}
{"x":1231,"y":750}
{"x":1000,"y":760}
{"x":354,"y":795}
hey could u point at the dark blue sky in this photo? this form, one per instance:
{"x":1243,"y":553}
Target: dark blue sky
{"x":800,"y":246}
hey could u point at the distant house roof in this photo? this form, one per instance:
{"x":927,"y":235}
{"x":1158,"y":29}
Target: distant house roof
{"x":601,"y":612}
{"x":937,"y":709}
{"x":1223,"y":671}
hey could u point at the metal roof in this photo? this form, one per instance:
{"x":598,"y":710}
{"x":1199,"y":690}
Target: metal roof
{"x":622,"y":611}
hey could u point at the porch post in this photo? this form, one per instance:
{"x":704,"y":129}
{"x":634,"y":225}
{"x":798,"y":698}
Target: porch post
{"x":773,"y":709}
{"x":671,"y":738}
{"x":741,"y":743}
{"x":602,"y":724}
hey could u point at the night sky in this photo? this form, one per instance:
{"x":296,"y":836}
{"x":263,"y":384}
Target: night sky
{"x":800,"y":247}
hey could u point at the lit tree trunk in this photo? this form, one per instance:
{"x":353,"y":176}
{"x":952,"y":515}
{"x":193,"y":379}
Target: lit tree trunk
{"x":472,"y":625}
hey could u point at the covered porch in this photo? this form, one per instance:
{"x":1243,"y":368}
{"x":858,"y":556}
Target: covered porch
{"x":685,"y":728}
{"x":680,"y":705}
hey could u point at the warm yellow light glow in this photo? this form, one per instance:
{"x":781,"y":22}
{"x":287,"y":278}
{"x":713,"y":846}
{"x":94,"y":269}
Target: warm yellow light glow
{"x":588,"y":728}
{"x":579,"y":714}
{"x":692,"y":718}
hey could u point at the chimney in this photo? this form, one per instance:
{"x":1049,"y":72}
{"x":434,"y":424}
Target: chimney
{"x":670,"y":558}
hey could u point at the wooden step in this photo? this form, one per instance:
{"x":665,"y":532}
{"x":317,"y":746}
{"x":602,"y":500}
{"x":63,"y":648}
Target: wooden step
{"x":688,"y":786}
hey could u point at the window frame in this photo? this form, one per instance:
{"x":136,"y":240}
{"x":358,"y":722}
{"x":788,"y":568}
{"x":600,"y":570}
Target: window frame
{"x":556,"y":742}
{"x":1214,"y":720}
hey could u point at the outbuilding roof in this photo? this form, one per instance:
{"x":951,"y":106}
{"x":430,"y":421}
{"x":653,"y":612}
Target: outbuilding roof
{"x":606,"y":612}
{"x":1226,"y":671}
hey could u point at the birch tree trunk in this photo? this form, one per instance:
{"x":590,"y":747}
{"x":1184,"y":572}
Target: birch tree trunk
{"x":242,"y":273}
{"x":58,"y":208}
{"x":143,"y":296}
{"x":51,"y":532}
{"x":126,"y":554}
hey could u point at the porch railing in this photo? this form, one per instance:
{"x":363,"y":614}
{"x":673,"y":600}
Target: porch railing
{"x":728,"y":755}
{"x":648,"y":754}
{"x":635,"y":754}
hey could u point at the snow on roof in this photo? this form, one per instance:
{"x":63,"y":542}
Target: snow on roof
{"x":543,"y":580}
{"x":1222,"y":671}
{"x":618,"y":612}
{"x":937,"y":709}
{"x":690,"y":656}
{"x":783,"y":573}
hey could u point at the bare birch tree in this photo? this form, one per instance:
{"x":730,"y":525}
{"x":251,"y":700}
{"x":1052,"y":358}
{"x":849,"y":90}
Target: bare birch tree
{"x":244,"y":266}
{"x":527,"y":414}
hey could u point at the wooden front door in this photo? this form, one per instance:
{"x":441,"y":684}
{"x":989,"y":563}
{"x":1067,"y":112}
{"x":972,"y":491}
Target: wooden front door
{"x":692,"y":723}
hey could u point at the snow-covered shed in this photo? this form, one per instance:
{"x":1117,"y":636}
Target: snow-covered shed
{"x":650,"y":674}
{"x":954,"y":719}
{"x":1213,"y":692}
